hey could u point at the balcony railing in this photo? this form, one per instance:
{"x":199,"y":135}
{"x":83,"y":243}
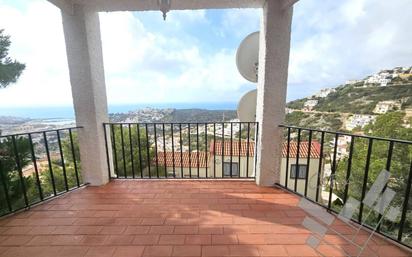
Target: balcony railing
{"x":181,"y":150}
{"x":370,"y":176}
{"x":37,"y":166}
{"x":331,"y":169}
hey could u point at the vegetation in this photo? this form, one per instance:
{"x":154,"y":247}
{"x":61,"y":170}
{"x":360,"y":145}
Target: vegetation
{"x":10,"y":70}
{"x":200,"y":115}
{"x":314,"y":120}
{"x":13,"y":182}
{"x":388,"y":126}
{"x":353,"y":99}
{"x":142,"y":144}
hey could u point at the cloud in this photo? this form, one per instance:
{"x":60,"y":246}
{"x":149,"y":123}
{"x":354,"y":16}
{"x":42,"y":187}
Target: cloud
{"x":38,"y":41}
{"x":190,"y":57}
{"x":241,"y":22}
{"x":336,"y":41}
{"x":146,"y":59}
{"x":154,"y":67}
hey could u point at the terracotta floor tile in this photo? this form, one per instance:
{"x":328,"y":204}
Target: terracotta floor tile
{"x":100,"y":251}
{"x":152,"y":221}
{"x":173,"y":218}
{"x":272,"y":250}
{"x":65,"y":230}
{"x":172,"y":240}
{"x":328,"y":250}
{"x":254,"y":239}
{"x":137,"y":230}
{"x":161,"y":251}
{"x":285,"y":239}
{"x":31,"y":251}
{"x":198,"y":239}
{"x":128,"y":251}
{"x":159,"y":230}
{"x":243,"y":250}
{"x":119,"y":240}
{"x":386,"y":250}
{"x":67,"y":240}
{"x":146,"y":239}
{"x":70,"y":251}
{"x":224,"y":239}
{"x":215,"y":250}
{"x":237,"y":229}
{"x":211,"y":229}
{"x":187,"y":250}
{"x":112,"y":230}
{"x":15,"y":240}
{"x":89,"y":230}
{"x":42,"y":230}
{"x":20,"y":230}
{"x":94,"y":239}
{"x":186,"y":230}
{"x":128,"y":221}
{"x":300,"y":250}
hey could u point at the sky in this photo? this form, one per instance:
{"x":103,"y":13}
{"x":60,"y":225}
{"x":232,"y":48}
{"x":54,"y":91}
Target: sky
{"x":190,"y":57}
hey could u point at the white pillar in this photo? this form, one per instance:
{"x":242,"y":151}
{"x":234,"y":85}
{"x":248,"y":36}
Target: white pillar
{"x":272,"y":87}
{"x":85,"y":59}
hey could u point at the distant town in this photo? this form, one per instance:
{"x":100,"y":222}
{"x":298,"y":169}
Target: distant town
{"x":334,"y":108}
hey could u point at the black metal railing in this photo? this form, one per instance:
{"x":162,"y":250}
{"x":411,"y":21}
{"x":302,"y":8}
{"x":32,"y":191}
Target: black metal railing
{"x":181,"y":150}
{"x":37,"y":166}
{"x":329,"y":168}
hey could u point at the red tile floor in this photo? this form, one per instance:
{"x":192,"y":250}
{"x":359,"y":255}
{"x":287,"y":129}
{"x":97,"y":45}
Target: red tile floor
{"x":173,"y":218}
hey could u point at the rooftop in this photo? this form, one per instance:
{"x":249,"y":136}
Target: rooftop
{"x":220,"y":146}
{"x":184,"y":159}
{"x":174,"y":218}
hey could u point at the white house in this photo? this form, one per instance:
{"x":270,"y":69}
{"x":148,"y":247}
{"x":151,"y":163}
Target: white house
{"x":359,"y":120}
{"x":353,"y":81}
{"x":310,"y":104}
{"x":238,"y":160}
{"x":382,"y":78}
{"x":324,"y":92}
{"x":386,"y":106}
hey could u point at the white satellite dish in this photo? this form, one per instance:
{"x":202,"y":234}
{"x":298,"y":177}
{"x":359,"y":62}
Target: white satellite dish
{"x":246,"y":109}
{"x":247,"y":57}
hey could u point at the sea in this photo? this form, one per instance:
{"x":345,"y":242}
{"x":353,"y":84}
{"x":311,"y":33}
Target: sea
{"x":67,"y":112}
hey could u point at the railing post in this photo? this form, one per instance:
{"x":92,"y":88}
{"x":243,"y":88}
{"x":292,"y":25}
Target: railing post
{"x":272,"y":85}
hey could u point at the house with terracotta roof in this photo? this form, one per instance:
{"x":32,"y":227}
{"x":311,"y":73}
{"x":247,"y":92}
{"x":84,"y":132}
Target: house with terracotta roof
{"x":241,"y":158}
{"x":232,"y":158}
{"x":185,"y":164}
{"x":236,"y":159}
{"x":308,"y":168}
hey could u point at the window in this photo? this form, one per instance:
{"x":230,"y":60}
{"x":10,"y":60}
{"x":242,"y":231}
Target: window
{"x":303,"y":170}
{"x":235,"y":169}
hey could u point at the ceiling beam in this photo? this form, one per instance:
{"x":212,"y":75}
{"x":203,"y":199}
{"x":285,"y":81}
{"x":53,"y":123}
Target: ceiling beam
{"x":64,"y":5}
{"x":288,"y":3}
{"x":152,"y":5}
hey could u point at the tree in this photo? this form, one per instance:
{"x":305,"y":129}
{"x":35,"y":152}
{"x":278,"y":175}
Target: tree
{"x":123,"y":166}
{"x":9,"y":174}
{"x":389,"y":125}
{"x":11,"y":182}
{"x":10,"y":70}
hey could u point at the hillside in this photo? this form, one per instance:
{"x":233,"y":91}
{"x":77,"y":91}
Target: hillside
{"x":360,"y":100}
{"x":332,"y":121}
{"x":356,"y":103}
{"x":200,"y":115}
{"x":174,"y":115}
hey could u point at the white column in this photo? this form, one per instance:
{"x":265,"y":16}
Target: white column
{"x":85,"y":59}
{"x":272,"y":87}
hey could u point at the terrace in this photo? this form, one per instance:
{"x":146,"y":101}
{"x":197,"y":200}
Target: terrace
{"x":255,"y":188}
{"x":176,"y":218}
